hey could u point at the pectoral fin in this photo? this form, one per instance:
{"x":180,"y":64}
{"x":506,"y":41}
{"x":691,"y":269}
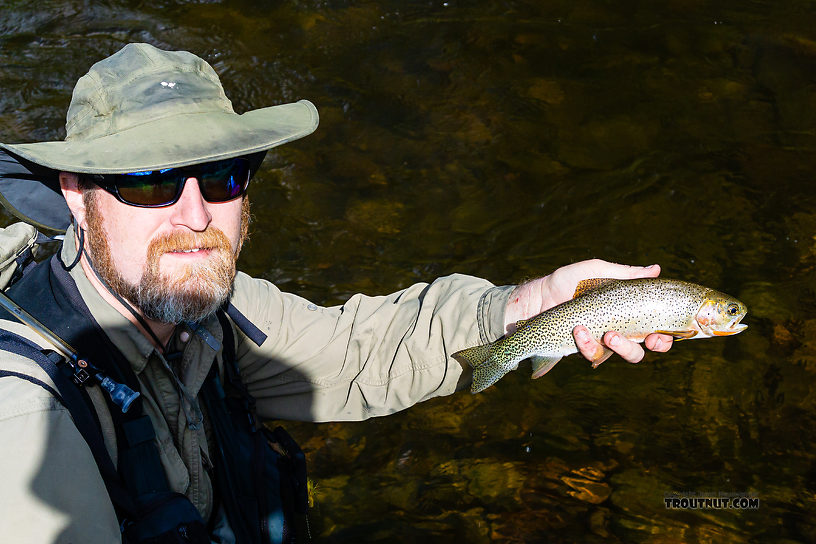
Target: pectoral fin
{"x":680,"y":335}
{"x":602,"y":355}
{"x":542,"y":365}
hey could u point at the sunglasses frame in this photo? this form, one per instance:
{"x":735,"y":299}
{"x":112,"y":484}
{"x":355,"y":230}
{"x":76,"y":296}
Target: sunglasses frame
{"x":182,"y":174}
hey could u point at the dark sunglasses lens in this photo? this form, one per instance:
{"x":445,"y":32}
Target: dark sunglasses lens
{"x":218,"y":181}
{"x":224,"y":180}
{"x":157,"y":188}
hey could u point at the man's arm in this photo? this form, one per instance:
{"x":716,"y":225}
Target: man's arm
{"x":376,"y":355}
{"x":371,"y":356}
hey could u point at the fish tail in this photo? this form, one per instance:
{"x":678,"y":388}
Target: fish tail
{"x":476,"y":356}
{"x":486,"y":363}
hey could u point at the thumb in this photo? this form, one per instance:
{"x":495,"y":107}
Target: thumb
{"x":604,"y":269}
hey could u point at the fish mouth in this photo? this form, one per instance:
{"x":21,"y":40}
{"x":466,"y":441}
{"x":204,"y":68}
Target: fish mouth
{"x":735,"y":328}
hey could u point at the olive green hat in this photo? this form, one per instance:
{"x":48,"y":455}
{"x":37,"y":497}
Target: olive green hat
{"x":140,"y":109}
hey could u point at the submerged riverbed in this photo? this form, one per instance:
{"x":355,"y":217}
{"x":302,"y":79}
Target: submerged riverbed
{"x":504,"y":139}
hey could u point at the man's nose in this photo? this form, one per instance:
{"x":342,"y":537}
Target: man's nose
{"x":191,"y":209}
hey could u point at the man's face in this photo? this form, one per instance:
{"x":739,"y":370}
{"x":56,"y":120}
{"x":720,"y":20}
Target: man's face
{"x":174,"y":263}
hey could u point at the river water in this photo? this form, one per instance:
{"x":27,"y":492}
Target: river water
{"x":504,"y":139}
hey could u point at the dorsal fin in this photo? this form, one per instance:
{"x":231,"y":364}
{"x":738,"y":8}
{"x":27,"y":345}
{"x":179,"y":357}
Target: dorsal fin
{"x":589,"y":285}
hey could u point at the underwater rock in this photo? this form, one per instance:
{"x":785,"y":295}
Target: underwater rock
{"x":586,"y":485}
{"x":382,"y":216}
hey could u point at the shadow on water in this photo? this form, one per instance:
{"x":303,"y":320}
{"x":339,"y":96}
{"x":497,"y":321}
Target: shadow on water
{"x":503,"y":140}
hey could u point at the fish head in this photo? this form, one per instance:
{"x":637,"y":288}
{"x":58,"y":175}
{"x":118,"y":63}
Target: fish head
{"x":720,"y":315}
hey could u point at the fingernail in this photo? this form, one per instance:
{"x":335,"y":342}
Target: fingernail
{"x":582,"y":335}
{"x":614,"y":341}
{"x":658,"y":344}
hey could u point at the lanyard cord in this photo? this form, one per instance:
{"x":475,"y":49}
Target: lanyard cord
{"x":192,"y":410}
{"x":118,"y":297}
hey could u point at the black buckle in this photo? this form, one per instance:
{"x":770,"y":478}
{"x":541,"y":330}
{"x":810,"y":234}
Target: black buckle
{"x":81,"y":374}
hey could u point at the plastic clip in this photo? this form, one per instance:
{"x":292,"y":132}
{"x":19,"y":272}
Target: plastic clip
{"x":81,"y":374}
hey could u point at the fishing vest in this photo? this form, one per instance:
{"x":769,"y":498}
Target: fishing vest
{"x":259,"y":474}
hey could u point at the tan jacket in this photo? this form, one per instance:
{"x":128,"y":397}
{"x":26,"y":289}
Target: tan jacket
{"x":369,"y":357}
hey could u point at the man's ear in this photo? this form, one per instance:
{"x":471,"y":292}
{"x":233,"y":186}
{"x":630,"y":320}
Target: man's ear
{"x":69,"y":185}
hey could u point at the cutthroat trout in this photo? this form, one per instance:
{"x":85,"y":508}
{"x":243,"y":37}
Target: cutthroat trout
{"x":635,"y":308}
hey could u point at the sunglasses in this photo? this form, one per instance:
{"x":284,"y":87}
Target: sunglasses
{"x":218,"y":181}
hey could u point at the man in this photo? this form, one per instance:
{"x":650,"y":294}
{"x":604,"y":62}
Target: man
{"x":153,"y":171}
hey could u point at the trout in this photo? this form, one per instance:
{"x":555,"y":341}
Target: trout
{"x":635,"y":308}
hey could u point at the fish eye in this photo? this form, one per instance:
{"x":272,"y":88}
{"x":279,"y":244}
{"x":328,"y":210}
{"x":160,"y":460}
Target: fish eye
{"x":733,"y":309}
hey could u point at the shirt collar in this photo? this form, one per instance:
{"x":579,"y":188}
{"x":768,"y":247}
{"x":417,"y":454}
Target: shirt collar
{"x":134,"y":345}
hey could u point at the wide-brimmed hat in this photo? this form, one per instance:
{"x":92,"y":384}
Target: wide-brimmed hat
{"x":141,"y":109}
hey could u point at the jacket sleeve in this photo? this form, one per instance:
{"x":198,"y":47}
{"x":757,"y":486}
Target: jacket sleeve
{"x":53,"y":491}
{"x":371,"y":356}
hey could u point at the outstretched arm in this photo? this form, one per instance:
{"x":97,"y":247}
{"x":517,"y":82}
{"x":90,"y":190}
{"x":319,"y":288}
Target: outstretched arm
{"x":535,"y":296}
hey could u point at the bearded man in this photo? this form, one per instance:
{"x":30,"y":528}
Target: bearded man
{"x":152,"y":177}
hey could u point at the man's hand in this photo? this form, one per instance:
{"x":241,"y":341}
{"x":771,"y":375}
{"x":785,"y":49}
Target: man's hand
{"x":535,"y":296}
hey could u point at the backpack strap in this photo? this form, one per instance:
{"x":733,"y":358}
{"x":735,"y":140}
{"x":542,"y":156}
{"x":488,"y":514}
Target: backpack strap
{"x":75,"y":323}
{"x":70,"y":396}
{"x":250,"y":474}
{"x":53,"y":392}
{"x":146,"y":507}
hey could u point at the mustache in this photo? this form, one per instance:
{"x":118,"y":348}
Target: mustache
{"x":211,"y":239}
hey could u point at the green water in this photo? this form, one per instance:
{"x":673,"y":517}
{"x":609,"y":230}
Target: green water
{"x":504,"y":139}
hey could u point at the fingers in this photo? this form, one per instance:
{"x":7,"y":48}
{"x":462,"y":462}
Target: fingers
{"x":604,"y":269}
{"x":561,"y":283}
{"x":613,"y":342}
{"x":659,"y":342}
{"x":630,"y":351}
{"x":590,"y":348}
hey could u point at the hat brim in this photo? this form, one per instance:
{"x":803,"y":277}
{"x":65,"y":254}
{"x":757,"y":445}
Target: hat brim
{"x":175,"y":141}
{"x":29,"y":173}
{"x":32,"y":193}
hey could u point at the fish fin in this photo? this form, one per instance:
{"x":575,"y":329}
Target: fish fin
{"x":475,"y":356}
{"x":487,"y":366}
{"x":588,"y":285}
{"x":604,"y":354}
{"x":542,"y":365}
{"x":726,"y":333}
{"x":680,"y":335}
{"x":520,"y":323}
